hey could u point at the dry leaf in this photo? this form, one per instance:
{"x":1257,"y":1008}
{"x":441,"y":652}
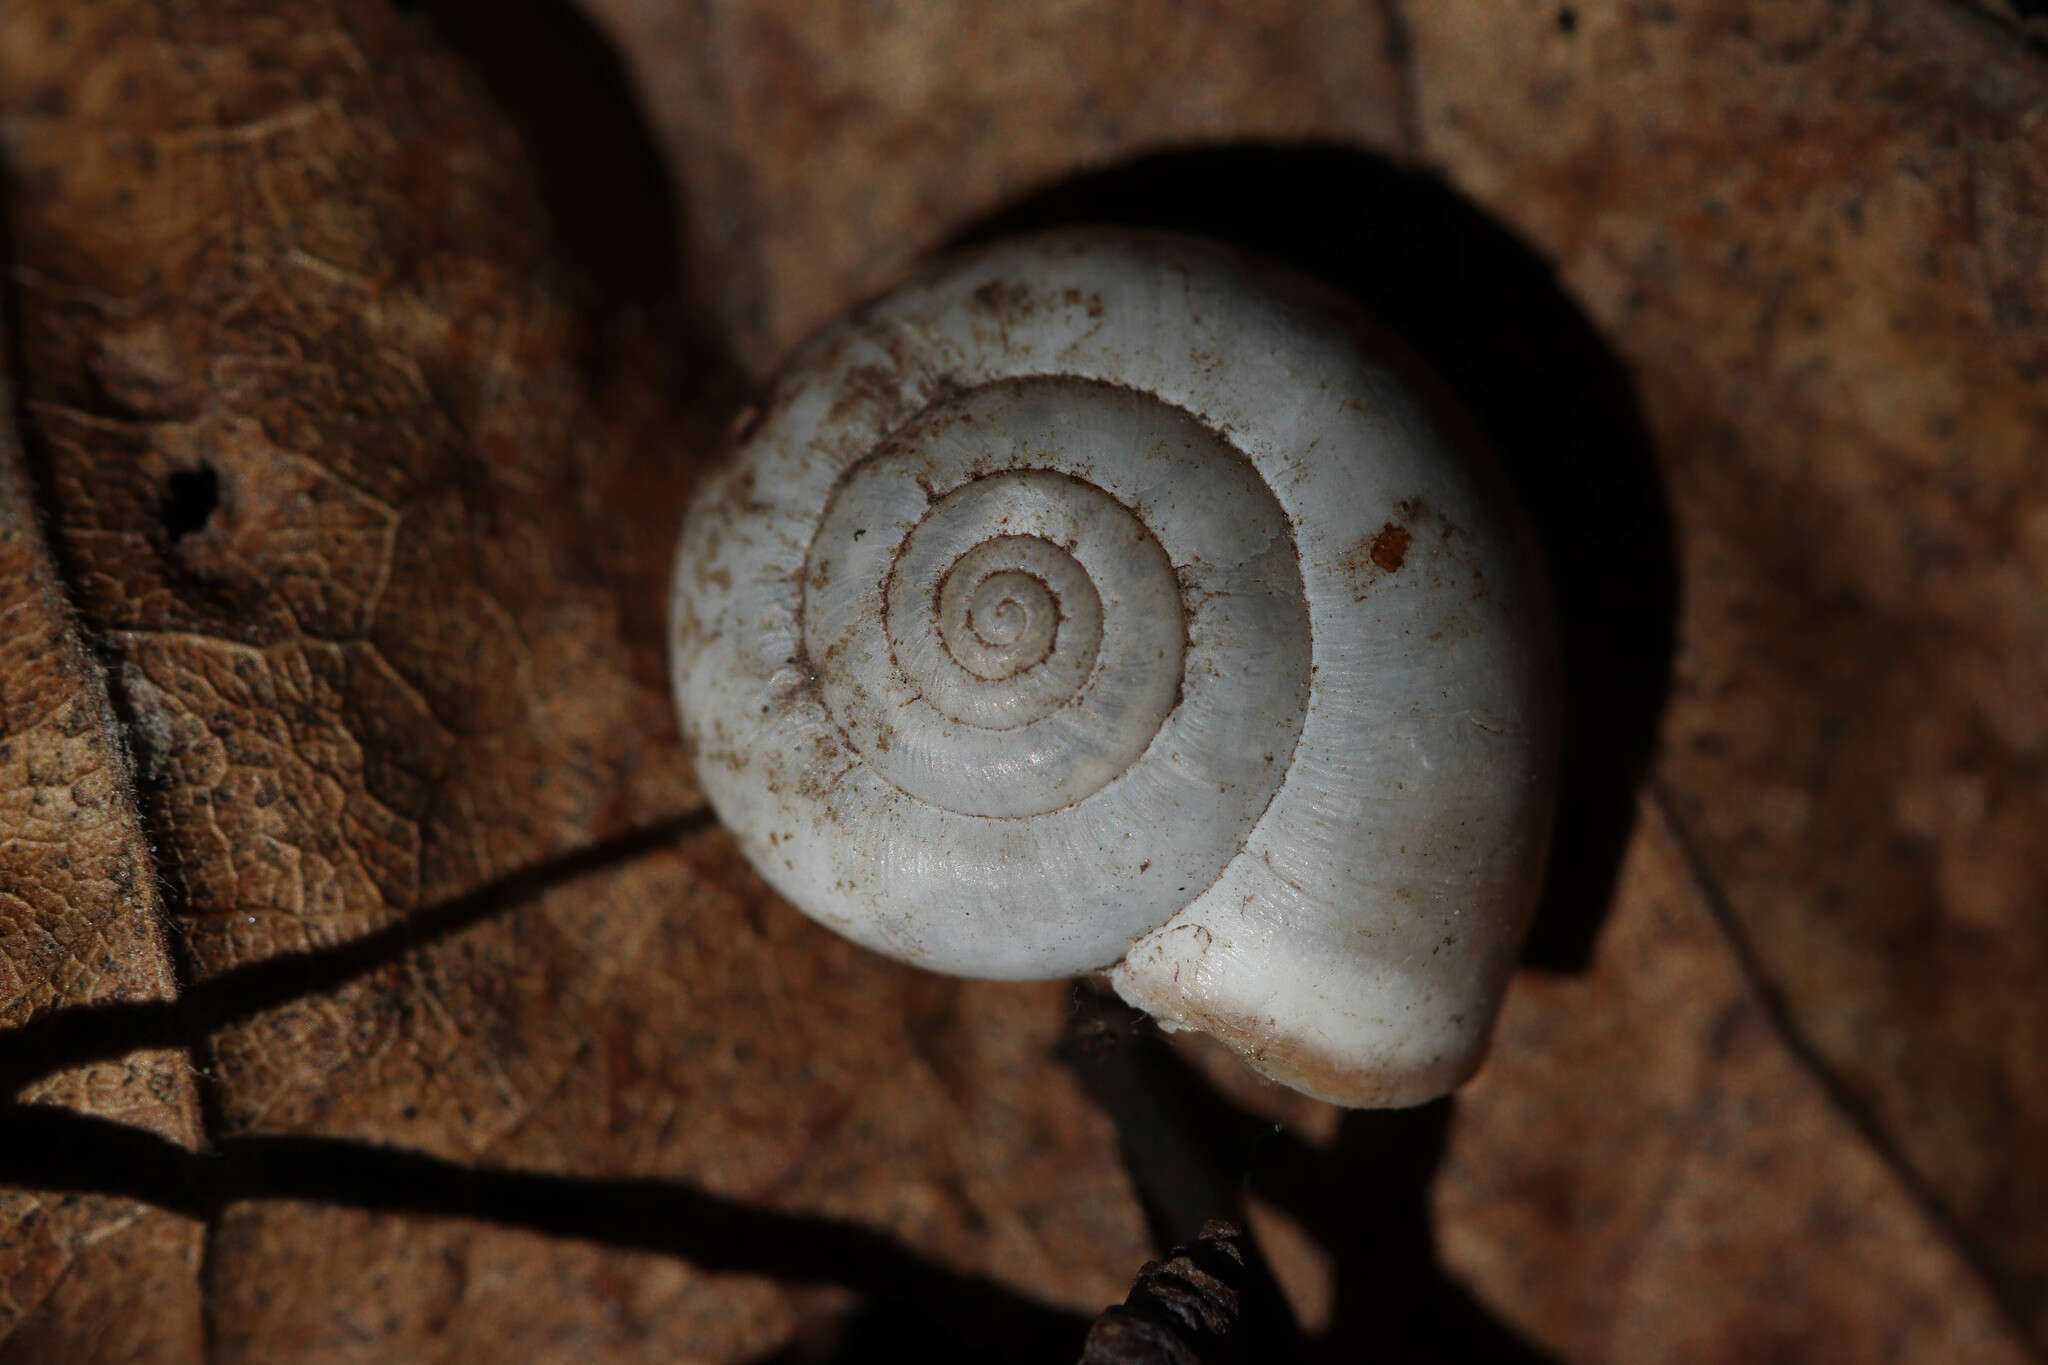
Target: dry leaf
{"x":1814,"y":235}
{"x":368,"y":519}
{"x":1649,"y":1174}
{"x":79,"y":926}
{"x":777,"y":115}
{"x":361,"y":481}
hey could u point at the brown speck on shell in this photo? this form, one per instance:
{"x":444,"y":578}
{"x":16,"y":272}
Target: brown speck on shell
{"x":1390,"y":547}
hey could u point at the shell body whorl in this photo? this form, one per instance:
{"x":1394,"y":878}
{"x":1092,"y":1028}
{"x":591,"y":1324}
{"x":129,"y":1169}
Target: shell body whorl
{"x":1107,"y":601}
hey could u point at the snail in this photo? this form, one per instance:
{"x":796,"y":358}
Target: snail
{"x":1109,"y":601}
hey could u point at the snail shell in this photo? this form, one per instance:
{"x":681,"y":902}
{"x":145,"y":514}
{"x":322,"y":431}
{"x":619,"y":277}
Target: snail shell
{"x":1110,"y":601}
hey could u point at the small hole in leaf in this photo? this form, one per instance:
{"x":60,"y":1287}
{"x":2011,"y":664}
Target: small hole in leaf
{"x":189,"y":499}
{"x":1567,"y":20}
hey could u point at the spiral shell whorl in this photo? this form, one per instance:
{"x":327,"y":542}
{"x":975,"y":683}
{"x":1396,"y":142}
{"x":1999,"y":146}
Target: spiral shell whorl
{"x":1140,"y":624}
{"x":1097,"y":601}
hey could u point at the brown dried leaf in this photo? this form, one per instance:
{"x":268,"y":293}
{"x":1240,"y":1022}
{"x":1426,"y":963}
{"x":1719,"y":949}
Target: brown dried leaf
{"x":1814,"y":234}
{"x":79,"y":925}
{"x":1646,"y":1173}
{"x":826,"y":146}
{"x":293,"y":244}
{"x":369,"y":517}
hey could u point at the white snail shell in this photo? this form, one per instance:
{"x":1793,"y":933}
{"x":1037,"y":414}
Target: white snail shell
{"x":1110,"y":601}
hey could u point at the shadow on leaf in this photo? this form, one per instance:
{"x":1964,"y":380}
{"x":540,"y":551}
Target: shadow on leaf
{"x":55,"y":1150}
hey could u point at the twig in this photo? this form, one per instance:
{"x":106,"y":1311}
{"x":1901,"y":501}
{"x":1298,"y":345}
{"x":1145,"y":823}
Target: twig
{"x":1181,"y":1311}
